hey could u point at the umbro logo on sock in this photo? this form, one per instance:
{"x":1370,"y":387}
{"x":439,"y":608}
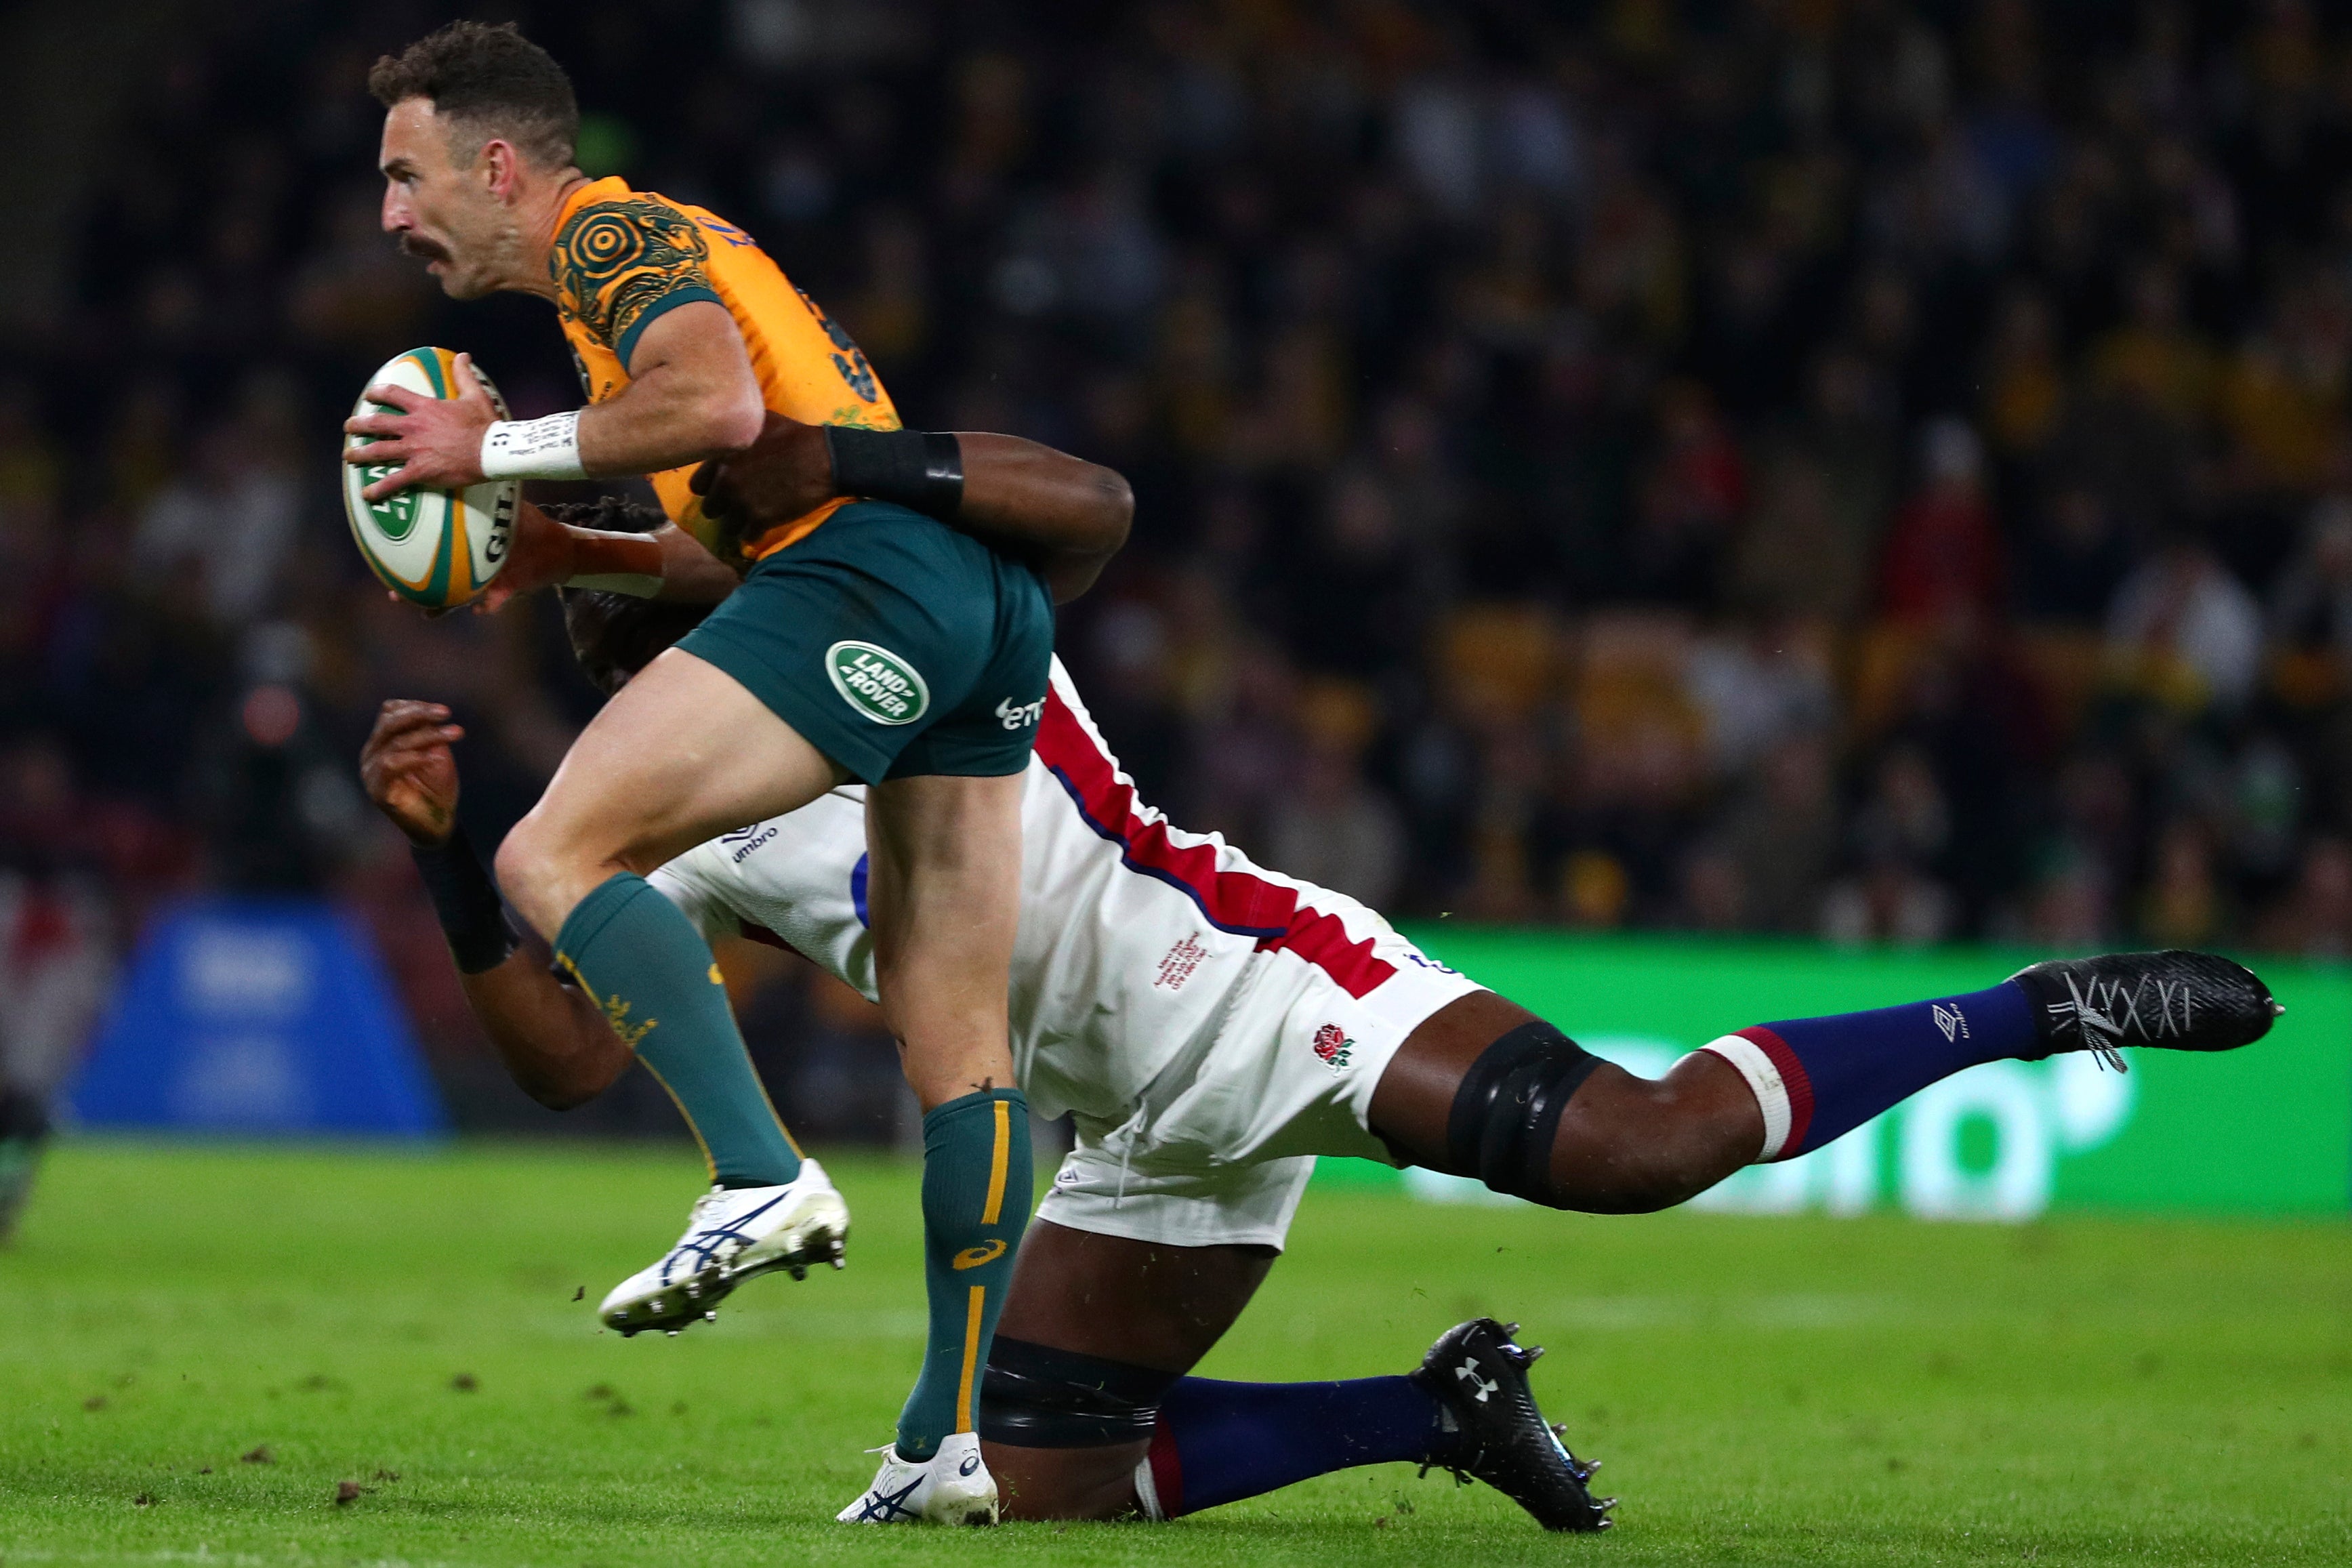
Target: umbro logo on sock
{"x":1950,"y":1021}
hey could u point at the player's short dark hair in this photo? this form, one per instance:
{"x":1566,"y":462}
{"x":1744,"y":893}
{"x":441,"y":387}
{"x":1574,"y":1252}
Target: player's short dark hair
{"x":614,"y":635}
{"x":491,"y":78}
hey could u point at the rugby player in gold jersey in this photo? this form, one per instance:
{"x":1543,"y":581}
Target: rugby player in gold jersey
{"x":865,"y":638}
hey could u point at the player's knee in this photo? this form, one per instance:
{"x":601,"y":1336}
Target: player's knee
{"x":543,"y":871}
{"x":522,"y":864}
{"x":1037,"y":1396}
{"x":1627,"y":1146}
{"x":1507,"y":1111}
{"x":1071,"y":1427}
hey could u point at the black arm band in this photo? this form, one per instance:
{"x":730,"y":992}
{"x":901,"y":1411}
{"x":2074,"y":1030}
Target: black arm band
{"x":468,"y":902}
{"x":922,"y":470}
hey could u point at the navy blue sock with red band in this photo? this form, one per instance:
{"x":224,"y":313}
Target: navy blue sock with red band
{"x":1819,"y":1079}
{"x":1219,"y":1442}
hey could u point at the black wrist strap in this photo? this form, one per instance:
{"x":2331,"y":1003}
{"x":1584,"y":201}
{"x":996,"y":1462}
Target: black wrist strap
{"x":919,"y":470}
{"x":465,"y":899}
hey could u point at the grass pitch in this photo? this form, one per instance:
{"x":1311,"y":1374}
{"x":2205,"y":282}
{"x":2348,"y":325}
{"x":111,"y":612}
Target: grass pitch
{"x":1868,"y":1391}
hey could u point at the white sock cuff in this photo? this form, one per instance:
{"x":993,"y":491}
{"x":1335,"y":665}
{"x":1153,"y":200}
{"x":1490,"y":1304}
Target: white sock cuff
{"x":1748,"y":1060}
{"x":1147,"y":1494}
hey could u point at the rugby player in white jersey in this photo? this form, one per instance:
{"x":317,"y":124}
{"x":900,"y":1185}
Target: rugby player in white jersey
{"x":1212,"y":1026}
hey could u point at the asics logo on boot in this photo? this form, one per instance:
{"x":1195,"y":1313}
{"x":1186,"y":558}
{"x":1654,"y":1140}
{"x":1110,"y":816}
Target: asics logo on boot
{"x":970,"y":1463}
{"x":1468,"y":1373}
{"x":882,"y":1508}
{"x":717,"y":1244}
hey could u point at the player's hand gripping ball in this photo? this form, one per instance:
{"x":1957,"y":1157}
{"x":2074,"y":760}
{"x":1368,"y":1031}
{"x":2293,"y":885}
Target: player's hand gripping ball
{"x":438,"y":548}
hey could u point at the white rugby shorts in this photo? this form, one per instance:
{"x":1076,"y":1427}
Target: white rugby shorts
{"x":1219,"y":1149}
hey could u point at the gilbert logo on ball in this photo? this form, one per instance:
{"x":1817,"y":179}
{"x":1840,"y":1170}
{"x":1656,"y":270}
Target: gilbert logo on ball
{"x":877,"y":682}
{"x":433,"y":547}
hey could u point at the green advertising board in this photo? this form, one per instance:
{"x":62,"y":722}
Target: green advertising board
{"x":2265,"y":1130}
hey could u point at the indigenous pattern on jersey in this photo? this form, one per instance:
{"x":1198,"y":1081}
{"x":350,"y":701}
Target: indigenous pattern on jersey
{"x":623,"y":258}
{"x":1213,"y":1013}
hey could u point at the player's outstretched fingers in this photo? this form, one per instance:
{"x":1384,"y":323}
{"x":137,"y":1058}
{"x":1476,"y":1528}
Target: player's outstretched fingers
{"x":401,"y":398}
{"x":403,"y":721}
{"x":406,"y":721}
{"x":392,"y":484}
{"x":408,"y":770}
{"x":435,"y":441}
{"x":388,"y":447}
{"x":406,"y":733}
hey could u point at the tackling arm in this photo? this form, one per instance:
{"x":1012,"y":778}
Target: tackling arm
{"x":1065,"y":516}
{"x":551,"y":1038}
{"x":666,"y":564}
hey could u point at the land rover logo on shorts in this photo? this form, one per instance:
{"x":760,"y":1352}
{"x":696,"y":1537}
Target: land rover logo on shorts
{"x":877,"y":682}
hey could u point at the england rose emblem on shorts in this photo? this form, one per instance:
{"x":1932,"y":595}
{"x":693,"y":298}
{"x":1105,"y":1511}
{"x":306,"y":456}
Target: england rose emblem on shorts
{"x":1333,"y":1046}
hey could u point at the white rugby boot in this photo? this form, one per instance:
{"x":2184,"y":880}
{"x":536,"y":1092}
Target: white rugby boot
{"x":733,"y":1234}
{"x":952,"y":1487}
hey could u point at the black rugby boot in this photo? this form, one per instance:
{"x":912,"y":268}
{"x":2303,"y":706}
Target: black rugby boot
{"x":1492,"y":1430}
{"x":2176,"y":1000}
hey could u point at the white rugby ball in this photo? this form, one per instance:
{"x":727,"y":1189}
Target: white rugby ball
{"x":433,"y":547}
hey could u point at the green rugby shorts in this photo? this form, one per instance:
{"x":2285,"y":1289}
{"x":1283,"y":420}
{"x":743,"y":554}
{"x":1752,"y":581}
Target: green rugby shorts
{"x":893,"y":644}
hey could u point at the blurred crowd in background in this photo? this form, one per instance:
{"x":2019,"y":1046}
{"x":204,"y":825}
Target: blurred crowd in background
{"x":1823,"y":468}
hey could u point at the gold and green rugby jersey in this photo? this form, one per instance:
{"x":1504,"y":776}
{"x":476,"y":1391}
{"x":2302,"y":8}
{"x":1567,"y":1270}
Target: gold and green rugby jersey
{"x":622,"y":257}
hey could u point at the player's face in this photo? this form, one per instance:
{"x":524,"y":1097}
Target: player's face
{"x":441,"y":211}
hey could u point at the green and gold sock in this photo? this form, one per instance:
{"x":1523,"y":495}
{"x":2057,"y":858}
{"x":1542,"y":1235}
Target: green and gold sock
{"x":977,"y":1185}
{"x":641,"y":960}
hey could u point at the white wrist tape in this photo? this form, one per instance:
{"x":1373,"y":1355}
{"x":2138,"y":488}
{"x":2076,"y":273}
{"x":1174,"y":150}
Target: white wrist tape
{"x":545,"y":448}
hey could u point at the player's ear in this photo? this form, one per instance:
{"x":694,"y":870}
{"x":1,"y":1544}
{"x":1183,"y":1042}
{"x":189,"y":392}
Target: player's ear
{"x":500,"y":166}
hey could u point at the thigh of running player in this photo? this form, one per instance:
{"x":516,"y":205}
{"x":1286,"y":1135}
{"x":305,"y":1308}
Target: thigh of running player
{"x":681,"y":753}
{"x":1116,"y":1299}
{"x":884,"y":647}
